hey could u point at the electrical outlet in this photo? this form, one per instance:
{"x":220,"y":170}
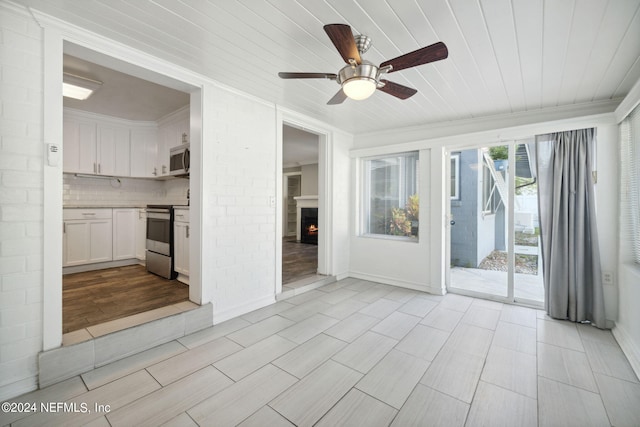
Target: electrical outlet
{"x":607,"y":278}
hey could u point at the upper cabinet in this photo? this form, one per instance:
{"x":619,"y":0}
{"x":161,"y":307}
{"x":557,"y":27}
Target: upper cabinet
{"x":102,"y":145}
{"x":144,"y":151}
{"x":173,"y":130}
{"x":80,"y":152}
{"x":94,"y":147}
{"x":114,"y":144}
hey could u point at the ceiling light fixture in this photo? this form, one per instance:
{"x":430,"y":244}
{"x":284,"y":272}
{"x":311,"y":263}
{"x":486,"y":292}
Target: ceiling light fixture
{"x":78,"y":87}
{"x":359,"y":81}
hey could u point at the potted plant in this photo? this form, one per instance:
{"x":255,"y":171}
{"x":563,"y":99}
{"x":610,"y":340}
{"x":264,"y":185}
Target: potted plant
{"x":500,"y":156}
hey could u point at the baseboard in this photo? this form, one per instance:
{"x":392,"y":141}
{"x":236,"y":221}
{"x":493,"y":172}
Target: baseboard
{"x":239,"y":310}
{"x":342,"y":276}
{"x":395,"y":282}
{"x":100,"y":266}
{"x":629,"y":348}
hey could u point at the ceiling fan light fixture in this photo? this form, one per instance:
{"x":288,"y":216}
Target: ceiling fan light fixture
{"x":77,"y":87}
{"x":359,"y":88}
{"x":360,"y":81}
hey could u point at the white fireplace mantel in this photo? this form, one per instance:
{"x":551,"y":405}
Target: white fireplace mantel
{"x":303,"y":202}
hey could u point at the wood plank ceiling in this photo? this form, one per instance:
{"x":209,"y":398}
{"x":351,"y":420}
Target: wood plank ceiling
{"x":505,"y":56}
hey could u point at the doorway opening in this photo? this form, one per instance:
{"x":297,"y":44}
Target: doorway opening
{"x":301,"y":199}
{"x":494,"y":233}
{"x":113,"y":167}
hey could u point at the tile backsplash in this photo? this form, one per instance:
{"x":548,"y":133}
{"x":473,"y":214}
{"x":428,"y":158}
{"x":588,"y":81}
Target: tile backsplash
{"x":126,"y":192}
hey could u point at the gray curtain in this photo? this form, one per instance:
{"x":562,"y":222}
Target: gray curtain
{"x":569,"y":237}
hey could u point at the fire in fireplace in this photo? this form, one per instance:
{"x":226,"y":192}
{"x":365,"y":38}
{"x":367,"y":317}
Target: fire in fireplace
{"x":309,"y":225}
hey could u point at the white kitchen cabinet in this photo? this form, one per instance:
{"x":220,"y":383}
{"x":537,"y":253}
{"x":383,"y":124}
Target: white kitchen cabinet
{"x":124,"y":233}
{"x":183,"y":131}
{"x":144,"y":152}
{"x":96,"y":148}
{"x":167,"y":139}
{"x":141,"y":234}
{"x":181,"y":244}
{"x":87,"y":236}
{"x":172,"y":131}
{"x":114,"y":151}
{"x":80,"y":142}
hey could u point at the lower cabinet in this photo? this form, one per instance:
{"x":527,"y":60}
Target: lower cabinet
{"x":181,"y":244}
{"x":124,"y":233}
{"x":141,"y":234}
{"x":103,"y":234}
{"x":87,"y":236}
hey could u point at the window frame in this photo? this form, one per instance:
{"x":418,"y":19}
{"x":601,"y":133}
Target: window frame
{"x":366,"y":188}
{"x":455,"y":168}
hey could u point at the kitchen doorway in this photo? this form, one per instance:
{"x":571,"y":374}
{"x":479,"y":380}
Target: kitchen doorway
{"x":54,"y":185}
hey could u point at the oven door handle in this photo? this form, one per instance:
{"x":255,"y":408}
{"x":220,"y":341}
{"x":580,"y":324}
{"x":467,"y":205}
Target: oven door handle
{"x":157,"y":210}
{"x":157,"y":215}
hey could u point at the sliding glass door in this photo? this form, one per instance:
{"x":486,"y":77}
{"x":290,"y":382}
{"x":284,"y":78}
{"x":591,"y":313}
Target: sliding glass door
{"x":493,"y":230}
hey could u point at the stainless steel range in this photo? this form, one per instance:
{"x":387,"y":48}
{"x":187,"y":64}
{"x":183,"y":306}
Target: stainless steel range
{"x":160,"y":241}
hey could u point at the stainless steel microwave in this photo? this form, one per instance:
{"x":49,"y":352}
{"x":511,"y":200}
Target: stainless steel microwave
{"x":179,"y":160}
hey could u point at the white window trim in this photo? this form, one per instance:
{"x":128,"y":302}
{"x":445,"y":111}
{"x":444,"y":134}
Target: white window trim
{"x":456,"y":185}
{"x":365,"y":163}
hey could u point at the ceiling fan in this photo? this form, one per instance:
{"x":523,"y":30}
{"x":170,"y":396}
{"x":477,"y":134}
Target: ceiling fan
{"x":359,"y":78}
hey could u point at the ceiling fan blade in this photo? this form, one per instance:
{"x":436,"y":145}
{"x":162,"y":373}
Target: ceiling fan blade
{"x":397,"y":90}
{"x":338,"y":98}
{"x":435,"y":52}
{"x":308,"y":76}
{"x":342,"y":38}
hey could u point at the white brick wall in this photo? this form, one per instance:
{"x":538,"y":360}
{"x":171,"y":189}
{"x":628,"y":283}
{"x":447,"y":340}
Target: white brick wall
{"x":21,"y":183}
{"x":238,"y":221}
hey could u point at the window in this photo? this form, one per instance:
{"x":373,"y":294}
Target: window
{"x":630,"y":180}
{"x":390,"y":196}
{"x":455,"y":176}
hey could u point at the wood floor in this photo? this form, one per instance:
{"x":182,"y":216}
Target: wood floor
{"x":298,"y":260}
{"x":95,"y":297}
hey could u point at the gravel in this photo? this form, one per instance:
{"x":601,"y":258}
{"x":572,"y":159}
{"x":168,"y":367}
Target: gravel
{"x":497,"y":261}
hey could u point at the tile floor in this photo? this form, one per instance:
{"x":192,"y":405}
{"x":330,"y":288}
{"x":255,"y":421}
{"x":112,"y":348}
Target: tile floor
{"x":359,"y":353}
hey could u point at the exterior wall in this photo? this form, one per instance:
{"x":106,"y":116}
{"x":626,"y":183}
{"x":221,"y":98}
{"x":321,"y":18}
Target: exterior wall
{"x":500,"y":236}
{"x":21,"y":202}
{"x":464,"y":234}
{"x":486,"y":242}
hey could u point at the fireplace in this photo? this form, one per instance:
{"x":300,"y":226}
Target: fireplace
{"x":309,"y":226}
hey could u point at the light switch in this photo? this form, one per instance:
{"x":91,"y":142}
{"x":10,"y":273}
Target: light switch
{"x":53,"y":154}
